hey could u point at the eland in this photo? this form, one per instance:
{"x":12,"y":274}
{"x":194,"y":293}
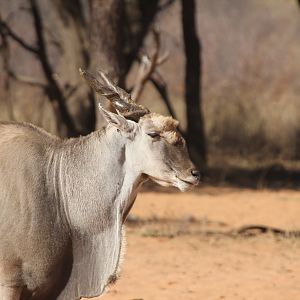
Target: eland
{"x":63,"y":202}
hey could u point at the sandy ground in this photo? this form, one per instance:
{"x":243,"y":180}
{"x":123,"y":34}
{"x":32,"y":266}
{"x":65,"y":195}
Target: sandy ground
{"x":180,"y":246}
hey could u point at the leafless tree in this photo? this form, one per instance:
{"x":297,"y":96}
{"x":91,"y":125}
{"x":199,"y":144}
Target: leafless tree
{"x":109,"y":35}
{"x":192,"y":46}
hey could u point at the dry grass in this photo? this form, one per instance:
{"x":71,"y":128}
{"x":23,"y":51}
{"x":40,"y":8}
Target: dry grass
{"x":251,"y":66}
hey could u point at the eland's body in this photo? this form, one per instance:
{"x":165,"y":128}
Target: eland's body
{"x":63,"y":202}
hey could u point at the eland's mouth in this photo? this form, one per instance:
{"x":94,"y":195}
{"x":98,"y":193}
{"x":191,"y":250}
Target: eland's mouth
{"x":189,"y":182}
{"x":183,"y":184}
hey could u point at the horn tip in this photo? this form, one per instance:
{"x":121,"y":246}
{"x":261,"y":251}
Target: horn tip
{"x":100,"y":106}
{"x":81,"y":71}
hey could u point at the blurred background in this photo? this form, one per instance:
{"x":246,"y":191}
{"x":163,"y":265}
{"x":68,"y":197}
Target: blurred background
{"x":230,"y":75}
{"x":229,"y":71}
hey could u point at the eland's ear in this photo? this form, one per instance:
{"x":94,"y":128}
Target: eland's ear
{"x":118,"y":121}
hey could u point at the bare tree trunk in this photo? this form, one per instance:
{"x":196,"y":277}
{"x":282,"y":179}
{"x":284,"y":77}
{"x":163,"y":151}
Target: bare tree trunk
{"x":95,"y":33}
{"x":106,"y":41}
{"x":106,"y":35}
{"x":195,"y":125}
{"x":55,"y":92}
{"x":38,"y":72}
{"x":139,"y":15}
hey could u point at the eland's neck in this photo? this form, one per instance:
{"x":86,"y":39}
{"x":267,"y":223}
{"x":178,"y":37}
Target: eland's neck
{"x":95,"y":179}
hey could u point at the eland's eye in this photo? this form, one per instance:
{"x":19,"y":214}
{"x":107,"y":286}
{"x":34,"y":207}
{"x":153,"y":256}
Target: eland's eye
{"x":154,"y":134}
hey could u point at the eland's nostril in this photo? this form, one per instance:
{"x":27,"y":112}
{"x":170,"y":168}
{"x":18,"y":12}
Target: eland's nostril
{"x":196,"y":173}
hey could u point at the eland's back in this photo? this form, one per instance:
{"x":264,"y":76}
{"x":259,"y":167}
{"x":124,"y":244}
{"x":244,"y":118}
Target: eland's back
{"x":28,"y":210}
{"x":23,"y":158}
{"x":24,"y":153}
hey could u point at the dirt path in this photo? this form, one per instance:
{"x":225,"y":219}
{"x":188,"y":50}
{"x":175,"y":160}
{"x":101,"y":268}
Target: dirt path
{"x":181,"y":253}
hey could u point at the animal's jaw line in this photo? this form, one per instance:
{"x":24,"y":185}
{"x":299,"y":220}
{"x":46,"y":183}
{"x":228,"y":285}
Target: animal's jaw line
{"x":161,"y":181}
{"x":188,"y":182}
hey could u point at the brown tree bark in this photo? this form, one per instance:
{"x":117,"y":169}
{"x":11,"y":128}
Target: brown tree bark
{"x":192,"y":46}
{"x":54,"y":91}
{"x":43,"y":52}
{"x":43,"y":46}
{"x":139,"y":15}
{"x":116,"y":35}
{"x":106,"y":37}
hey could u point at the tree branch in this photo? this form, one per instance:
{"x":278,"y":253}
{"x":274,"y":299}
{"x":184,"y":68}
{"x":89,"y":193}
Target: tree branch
{"x":166,"y":5}
{"x":6,"y":30}
{"x":147,"y":11}
{"x":5,"y":52}
{"x":55,"y":92}
{"x":252,"y":230}
{"x":147,"y":67}
{"x":26,"y":79}
{"x":162,"y":89}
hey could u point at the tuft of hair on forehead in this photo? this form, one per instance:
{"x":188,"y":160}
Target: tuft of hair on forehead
{"x":160,"y":123}
{"x":167,"y":126}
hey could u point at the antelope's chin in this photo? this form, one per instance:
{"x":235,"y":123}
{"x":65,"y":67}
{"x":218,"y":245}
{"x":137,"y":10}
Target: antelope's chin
{"x":182,"y":185}
{"x":162,"y":182}
{"x":186,"y":184}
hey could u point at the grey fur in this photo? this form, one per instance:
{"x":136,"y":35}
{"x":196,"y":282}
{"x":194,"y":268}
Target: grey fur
{"x":63,"y":204}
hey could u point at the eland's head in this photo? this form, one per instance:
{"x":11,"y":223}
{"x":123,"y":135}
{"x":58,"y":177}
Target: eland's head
{"x":158,"y":148}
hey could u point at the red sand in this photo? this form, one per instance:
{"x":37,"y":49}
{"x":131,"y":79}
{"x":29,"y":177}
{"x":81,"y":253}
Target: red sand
{"x":196,"y":265}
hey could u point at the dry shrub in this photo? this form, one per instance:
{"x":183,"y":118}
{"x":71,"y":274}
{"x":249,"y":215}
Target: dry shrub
{"x":251,"y":70}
